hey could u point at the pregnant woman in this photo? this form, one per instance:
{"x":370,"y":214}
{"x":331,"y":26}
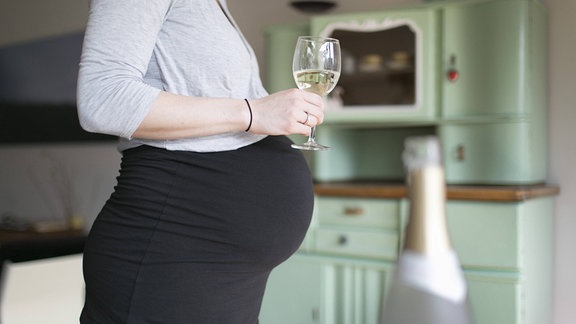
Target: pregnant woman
{"x":210,"y":196}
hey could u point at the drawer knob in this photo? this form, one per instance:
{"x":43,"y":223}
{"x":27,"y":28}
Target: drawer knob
{"x":342,"y":240}
{"x":353,"y":211}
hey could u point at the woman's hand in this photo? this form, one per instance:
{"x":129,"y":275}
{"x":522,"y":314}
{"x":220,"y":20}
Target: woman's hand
{"x":287,"y":112}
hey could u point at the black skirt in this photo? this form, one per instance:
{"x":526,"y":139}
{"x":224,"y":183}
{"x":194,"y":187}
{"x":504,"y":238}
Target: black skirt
{"x":191,"y":237}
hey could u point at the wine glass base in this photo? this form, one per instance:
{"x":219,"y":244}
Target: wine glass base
{"x":311,"y":146}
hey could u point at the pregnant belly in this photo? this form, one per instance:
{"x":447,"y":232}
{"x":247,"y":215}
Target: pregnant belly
{"x":250,"y":207}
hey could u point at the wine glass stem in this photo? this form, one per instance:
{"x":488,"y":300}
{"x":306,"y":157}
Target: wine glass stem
{"x":312,"y":137}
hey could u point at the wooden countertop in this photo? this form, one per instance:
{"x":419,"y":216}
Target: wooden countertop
{"x":8,"y":236}
{"x":459,"y":192}
{"x":19,"y":246}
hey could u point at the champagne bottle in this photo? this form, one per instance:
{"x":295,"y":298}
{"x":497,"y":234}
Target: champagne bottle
{"x":428,"y":286}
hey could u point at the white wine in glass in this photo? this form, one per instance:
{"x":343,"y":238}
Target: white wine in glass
{"x":316,"y":68}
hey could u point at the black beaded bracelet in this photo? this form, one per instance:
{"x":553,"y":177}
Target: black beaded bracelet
{"x":250,"y":110}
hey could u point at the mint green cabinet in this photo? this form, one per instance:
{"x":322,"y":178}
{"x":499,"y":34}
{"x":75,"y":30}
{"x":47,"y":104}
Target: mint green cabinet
{"x":491,"y":118}
{"x":389,"y":64}
{"x":497,"y":298}
{"x":505,"y":152}
{"x":506,"y":250}
{"x":310,"y":289}
{"x":356,"y":291}
{"x":367,"y":153}
{"x":342,"y":276}
{"x":494,"y":115}
{"x":497,"y":47}
{"x":358,"y":227}
{"x":295,"y":293}
{"x":492,"y":123}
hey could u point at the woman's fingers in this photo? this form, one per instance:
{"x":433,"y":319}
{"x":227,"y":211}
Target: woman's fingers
{"x":286,"y":112}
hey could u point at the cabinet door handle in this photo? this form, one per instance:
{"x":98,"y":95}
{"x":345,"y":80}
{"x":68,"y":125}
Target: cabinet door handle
{"x":452,"y":74}
{"x":342,"y":240}
{"x":353,"y":211}
{"x":460,"y":153}
{"x":315,"y":314}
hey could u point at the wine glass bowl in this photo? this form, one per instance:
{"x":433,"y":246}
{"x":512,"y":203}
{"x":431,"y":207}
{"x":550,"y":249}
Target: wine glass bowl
{"x":316,"y":68}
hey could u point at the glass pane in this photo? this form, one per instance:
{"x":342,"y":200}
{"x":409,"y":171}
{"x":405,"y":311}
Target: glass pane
{"x":378,"y":67}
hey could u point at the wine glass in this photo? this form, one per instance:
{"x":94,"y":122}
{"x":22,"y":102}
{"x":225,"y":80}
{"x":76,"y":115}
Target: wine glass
{"x":316,"y":68}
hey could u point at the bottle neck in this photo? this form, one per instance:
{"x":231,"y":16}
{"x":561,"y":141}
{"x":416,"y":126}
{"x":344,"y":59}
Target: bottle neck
{"x":427,"y":231}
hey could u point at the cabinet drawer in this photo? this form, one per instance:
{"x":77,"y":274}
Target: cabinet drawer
{"x":374,"y":244}
{"x":365,"y":212}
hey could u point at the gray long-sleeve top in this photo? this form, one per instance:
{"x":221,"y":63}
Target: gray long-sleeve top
{"x":133,"y":49}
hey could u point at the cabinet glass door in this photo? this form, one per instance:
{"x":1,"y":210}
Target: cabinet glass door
{"x":388,"y":64}
{"x":382,"y":73}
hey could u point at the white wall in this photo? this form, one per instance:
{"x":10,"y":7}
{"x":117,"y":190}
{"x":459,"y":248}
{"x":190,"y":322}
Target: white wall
{"x":36,"y":181}
{"x":31,"y":19}
{"x":27,"y":20}
{"x":562,"y":150}
{"x":47,"y":181}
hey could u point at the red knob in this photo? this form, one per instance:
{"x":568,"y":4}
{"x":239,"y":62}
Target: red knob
{"x":452,"y":75}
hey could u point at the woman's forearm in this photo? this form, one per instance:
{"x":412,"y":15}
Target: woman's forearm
{"x":174,"y":117}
